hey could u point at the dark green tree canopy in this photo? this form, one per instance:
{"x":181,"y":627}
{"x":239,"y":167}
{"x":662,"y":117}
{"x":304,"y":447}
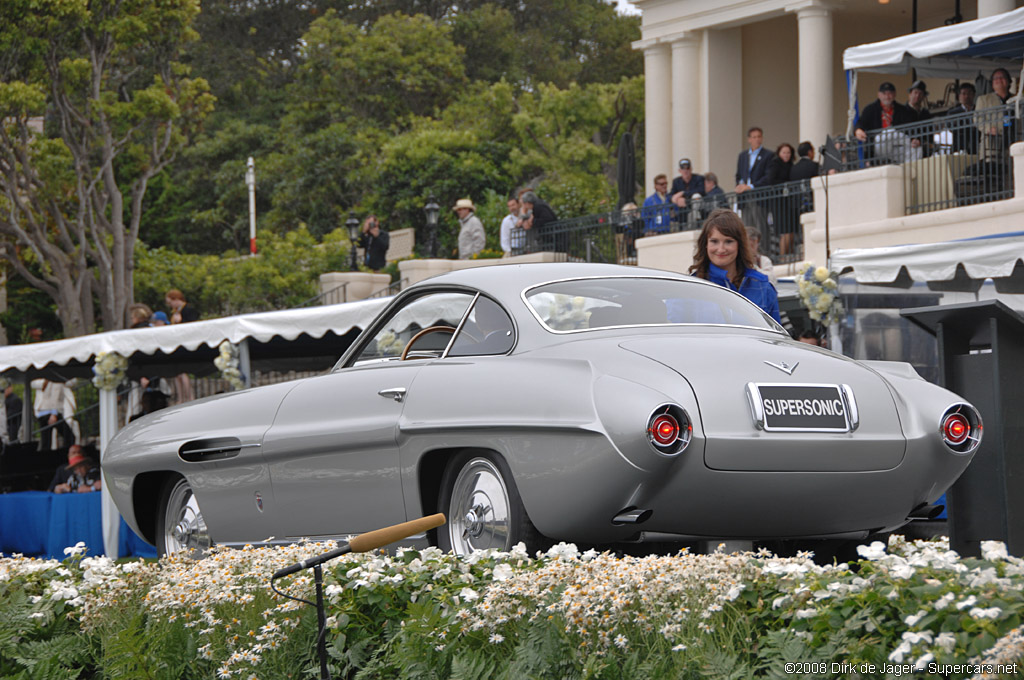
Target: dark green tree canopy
{"x":365,"y":105}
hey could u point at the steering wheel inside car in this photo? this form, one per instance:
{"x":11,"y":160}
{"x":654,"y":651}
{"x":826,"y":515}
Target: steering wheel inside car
{"x":426,"y":331}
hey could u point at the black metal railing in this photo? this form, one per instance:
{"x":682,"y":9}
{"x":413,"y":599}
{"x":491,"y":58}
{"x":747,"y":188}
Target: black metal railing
{"x":948,"y":161}
{"x":393,"y":288}
{"x":611,"y":236}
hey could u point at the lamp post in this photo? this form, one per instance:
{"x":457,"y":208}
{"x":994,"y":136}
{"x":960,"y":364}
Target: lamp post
{"x":250,"y":181}
{"x":432,"y":210}
{"x":352,"y":224}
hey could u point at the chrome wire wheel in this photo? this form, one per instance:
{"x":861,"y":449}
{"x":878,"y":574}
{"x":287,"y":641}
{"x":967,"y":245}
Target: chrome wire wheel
{"x":479,"y":512}
{"x":182,"y":527}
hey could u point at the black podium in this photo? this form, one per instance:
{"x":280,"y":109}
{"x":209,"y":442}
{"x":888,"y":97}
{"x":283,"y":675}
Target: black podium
{"x":981,"y":358}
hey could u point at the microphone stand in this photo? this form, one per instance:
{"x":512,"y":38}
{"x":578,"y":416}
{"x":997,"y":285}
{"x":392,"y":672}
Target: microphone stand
{"x":362,"y":543}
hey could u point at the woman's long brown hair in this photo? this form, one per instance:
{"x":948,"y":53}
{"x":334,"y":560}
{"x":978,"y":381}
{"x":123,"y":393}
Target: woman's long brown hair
{"x":731,"y":226}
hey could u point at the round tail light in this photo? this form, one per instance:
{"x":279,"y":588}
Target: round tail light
{"x":669,"y":429}
{"x":961,"y":428}
{"x":664,"y":430}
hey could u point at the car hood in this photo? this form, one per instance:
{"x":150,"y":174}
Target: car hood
{"x":719,"y":368}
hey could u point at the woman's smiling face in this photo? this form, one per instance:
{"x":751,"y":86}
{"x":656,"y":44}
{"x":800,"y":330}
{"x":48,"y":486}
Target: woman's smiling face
{"x":722,"y":250}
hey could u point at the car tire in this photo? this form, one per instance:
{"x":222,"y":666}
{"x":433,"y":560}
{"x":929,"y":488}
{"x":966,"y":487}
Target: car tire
{"x":480,"y":500}
{"x":180,"y":524}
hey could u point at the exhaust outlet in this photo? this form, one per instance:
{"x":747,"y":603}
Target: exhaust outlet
{"x":925,"y":511}
{"x":631,"y":516}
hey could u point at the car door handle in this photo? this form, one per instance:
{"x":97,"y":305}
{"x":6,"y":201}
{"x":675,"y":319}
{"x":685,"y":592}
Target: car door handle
{"x":396,"y":393}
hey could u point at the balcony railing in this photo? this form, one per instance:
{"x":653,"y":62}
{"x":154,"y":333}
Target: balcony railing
{"x":611,"y":236}
{"x":948,"y":161}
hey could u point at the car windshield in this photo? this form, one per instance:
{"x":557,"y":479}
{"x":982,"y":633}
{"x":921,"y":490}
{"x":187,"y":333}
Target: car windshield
{"x":584,"y":304}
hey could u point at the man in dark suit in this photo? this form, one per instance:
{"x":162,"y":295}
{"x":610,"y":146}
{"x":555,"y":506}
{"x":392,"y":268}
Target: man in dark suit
{"x":806,"y":167}
{"x":751,"y":167}
{"x":965,"y":135}
{"x":752,"y":163}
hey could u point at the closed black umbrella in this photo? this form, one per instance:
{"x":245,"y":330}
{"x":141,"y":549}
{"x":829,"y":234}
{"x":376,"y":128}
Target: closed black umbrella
{"x":626,"y":169}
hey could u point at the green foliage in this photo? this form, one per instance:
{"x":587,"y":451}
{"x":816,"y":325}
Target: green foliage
{"x":399,"y":67}
{"x":385,"y":103}
{"x":284,"y":274}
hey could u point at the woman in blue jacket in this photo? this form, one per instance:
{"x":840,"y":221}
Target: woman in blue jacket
{"x":723,"y":255}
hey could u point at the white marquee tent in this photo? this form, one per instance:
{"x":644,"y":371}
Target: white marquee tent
{"x":949,"y":265}
{"x":962,"y":50}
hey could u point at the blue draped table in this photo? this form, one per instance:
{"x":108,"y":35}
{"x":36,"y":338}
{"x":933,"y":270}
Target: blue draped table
{"x":42,"y":524}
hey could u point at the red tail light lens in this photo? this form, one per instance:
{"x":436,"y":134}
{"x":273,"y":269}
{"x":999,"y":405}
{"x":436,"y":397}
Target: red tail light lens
{"x":664,"y":430}
{"x":956,"y":428}
{"x":669,"y":429}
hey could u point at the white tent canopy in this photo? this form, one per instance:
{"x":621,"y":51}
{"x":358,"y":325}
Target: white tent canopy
{"x":999,"y":257}
{"x":74,"y":356}
{"x":962,"y":50}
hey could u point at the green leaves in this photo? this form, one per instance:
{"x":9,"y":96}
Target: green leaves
{"x":19,"y":99}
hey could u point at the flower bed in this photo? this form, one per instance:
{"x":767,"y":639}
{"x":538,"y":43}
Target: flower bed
{"x":902,"y":608}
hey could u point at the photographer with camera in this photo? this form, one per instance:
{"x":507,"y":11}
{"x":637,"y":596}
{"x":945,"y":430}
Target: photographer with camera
{"x":374,"y":243}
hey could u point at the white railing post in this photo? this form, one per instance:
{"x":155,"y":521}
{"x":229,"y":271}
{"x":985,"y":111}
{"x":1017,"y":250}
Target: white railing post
{"x":111,"y":517}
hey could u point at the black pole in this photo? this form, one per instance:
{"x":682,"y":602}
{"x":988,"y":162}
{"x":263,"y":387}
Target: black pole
{"x":321,"y":622}
{"x":913,"y":29}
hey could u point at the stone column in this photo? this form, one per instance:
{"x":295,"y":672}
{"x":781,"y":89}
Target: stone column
{"x":814,"y":25}
{"x":658,"y":112}
{"x":686,"y":70}
{"x":987,"y":8}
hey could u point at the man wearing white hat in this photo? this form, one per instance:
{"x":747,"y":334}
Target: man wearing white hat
{"x":471,"y":235}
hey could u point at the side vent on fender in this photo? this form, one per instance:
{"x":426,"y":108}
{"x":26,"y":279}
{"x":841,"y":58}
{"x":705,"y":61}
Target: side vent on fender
{"x":215,"y":448}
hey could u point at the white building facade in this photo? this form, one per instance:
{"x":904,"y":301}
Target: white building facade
{"x":715,"y":68}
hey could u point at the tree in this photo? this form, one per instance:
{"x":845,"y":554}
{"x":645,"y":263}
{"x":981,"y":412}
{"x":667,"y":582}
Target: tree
{"x":118,"y":107}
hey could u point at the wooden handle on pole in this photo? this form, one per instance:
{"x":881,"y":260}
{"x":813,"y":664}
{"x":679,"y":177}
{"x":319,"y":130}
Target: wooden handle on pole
{"x":388,"y":535}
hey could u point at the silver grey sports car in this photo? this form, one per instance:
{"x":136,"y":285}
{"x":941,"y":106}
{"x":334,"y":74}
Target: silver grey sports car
{"x":592,"y":403}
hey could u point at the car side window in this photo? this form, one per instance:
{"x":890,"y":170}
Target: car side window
{"x":427,"y":311}
{"x":488,"y":330}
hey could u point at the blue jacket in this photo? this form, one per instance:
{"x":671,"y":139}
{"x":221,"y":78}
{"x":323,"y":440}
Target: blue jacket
{"x":657,"y":214}
{"x":755,"y":286}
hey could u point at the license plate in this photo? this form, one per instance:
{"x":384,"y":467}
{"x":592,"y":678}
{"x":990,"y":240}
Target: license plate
{"x":783,"y":407}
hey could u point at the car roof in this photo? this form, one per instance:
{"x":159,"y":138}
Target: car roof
{"x":511,"y":279}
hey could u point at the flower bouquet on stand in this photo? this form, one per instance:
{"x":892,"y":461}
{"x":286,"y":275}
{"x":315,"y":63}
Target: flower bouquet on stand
{"x":109,"y":370}
{"x":227,"y":363}
{"x":819,"y":294}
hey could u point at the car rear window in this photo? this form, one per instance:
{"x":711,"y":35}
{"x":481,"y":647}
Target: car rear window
{"x":584,"y":304}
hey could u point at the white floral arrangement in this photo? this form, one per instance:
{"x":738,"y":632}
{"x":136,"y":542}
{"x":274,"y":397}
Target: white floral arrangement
{"x":227,"y":363}
{"x":108,"y":370}
{"x":564,"y":313}
{"x":819,"y":293}
{"x":389,"y":344}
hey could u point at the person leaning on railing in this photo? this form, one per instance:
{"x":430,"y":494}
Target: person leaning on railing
{"x":536,"y":216}
{"x":657,"y":211}
{"x":881,"y":115}
{"x":997,"y":127}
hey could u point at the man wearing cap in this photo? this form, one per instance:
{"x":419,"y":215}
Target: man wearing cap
{"x":471,"y":234}
{"x":686,"y":185}
{"x":80,"y":475}
{"x":883,"y":113}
